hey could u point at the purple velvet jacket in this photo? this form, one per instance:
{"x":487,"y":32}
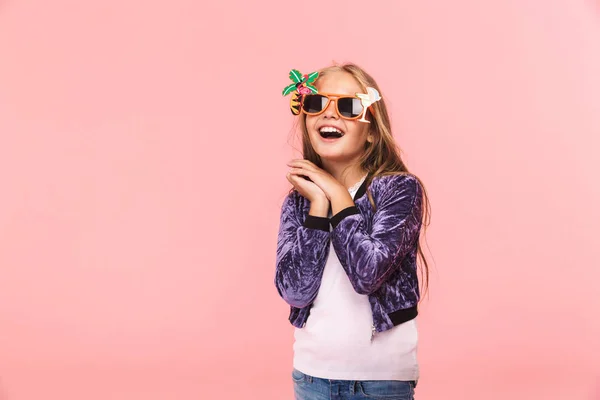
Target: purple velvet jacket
{"x":377,"y":249}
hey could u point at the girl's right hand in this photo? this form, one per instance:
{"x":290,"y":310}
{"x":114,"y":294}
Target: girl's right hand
{"x":308,"y":189}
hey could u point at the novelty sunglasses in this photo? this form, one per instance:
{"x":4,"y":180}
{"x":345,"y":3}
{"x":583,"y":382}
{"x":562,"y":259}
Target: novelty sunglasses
{"x":347,"y":106}
{"x":306,"y":98}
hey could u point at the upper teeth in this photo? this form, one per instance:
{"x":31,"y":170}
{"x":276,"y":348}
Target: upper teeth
{"x":330,"y":129}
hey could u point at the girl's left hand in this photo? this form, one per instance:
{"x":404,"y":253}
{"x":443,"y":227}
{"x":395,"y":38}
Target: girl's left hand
{"x":328,"y":184}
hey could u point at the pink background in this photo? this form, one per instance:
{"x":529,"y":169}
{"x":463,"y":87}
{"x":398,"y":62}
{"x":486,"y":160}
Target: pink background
{"x":142,"y":167}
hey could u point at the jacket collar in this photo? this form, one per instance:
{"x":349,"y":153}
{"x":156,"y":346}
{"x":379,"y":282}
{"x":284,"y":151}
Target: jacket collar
{"x":362,"y":189}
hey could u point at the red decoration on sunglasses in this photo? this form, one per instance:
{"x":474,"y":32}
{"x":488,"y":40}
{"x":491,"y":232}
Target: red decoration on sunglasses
{"x":302,"y":85}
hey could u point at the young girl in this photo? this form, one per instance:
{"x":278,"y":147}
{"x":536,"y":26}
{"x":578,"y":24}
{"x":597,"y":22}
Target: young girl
{"x":348,"y":244}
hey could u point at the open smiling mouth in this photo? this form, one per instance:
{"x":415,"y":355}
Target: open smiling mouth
{"x":329,"y":132}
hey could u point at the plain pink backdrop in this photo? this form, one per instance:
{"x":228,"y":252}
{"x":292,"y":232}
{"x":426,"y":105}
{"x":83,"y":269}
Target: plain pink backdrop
{"x":142,"y":167}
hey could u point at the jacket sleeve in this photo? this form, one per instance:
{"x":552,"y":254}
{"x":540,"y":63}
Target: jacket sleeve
{"x":302,"y":250}
{"x":369,"y":256}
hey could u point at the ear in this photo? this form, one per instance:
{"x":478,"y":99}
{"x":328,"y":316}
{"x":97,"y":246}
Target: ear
{"x":371,"y":135}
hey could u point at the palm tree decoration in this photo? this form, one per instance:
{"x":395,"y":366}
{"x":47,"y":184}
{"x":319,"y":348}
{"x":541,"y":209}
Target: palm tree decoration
{"x":366,"y":100}
{"x":302,"y":84}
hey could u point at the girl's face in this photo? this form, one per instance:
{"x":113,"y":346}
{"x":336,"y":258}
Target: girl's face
{"x":350,"y":146}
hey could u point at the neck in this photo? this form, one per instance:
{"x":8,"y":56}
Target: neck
{"x":346,"y":174}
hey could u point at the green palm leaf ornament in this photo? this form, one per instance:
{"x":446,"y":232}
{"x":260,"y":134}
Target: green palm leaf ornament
{"x":300,"y":86}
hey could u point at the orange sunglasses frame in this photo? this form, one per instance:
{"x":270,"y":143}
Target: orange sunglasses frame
{"x":335,"y":97}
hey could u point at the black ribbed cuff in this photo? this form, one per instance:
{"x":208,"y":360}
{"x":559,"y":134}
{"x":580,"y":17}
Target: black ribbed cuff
{"x":401,"y":316}
{"x":337,"y":218}
{"x":320,"y":223}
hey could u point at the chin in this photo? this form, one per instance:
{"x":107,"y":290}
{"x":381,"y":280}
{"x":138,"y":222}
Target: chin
{"x":332,"y":155}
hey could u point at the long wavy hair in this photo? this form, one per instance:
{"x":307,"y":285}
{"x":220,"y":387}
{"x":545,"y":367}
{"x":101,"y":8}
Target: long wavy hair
{"x":381,"y":157}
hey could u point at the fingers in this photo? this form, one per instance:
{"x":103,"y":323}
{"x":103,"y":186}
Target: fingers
{"x":295,"y":180}
{"x":303,"y":164}
{"x":300,"y":172}
{"x":298,"y":183}
{"x":308,"y":170}
{"x":301,"y":161}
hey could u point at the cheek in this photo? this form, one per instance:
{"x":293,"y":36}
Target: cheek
{"x":359,"y":131}
{"x":310,"y":125}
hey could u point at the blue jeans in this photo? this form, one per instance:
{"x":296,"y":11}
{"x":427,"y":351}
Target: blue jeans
{"x":307,"y":387}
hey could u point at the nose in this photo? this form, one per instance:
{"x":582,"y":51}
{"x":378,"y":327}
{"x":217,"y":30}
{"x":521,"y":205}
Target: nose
{"x":330,"y":111}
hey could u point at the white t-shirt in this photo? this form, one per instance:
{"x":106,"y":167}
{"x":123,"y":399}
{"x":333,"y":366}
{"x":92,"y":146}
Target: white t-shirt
{"x":335,"y":342}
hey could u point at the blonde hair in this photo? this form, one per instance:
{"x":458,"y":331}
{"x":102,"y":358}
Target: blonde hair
{"x":381,"y":157}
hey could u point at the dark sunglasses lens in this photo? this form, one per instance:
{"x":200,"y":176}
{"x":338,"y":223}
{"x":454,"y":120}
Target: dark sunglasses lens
{"x":314,"y":103}
{"x":349,"y":107}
